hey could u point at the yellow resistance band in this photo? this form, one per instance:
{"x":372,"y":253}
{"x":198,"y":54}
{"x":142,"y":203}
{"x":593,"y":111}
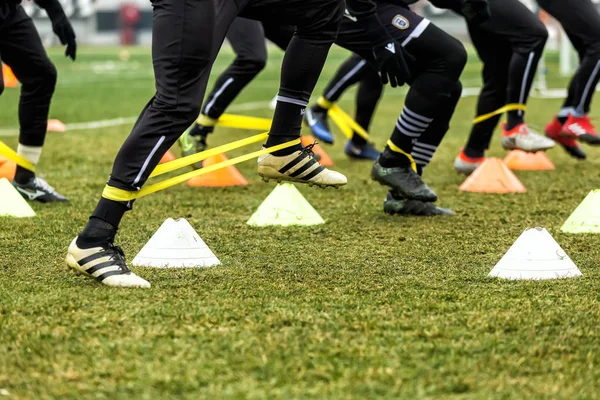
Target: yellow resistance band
{"x":13,"y":156}
{"x":238,"y":121}
{"x":115,"y":194}
{"x":345,"y":122}
{"x":397,"y":149}
{"x":501,"y":110}
{"x":203,"y":155}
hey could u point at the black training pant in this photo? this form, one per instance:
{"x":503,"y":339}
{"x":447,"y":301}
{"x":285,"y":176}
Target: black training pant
{"x":187,"y":35}
{"x":581,"y":22}
{"x":21,"y":49}
{"x":247,"y":38}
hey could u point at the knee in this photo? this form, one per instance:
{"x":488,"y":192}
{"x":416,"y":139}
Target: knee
{"x":533,"y":39}
{"x":251,"y":65}
{"x":43,"y":82}
{"x":324,"y":22}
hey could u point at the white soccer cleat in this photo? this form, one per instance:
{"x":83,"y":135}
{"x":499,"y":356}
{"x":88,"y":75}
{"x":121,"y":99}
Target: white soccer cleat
{"x":105,"y":264}
{"x":301,"y":167}
{"x":523,"y":138}
{"x":465,"y":165}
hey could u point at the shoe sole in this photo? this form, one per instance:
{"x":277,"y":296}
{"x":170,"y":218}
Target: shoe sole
{"x":407,"y":195}
{"x":270,"y":174}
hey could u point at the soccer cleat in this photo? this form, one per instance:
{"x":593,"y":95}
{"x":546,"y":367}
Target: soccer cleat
{"x":39,"y":190}
{"x":105,"y":264}
{"x":396,"y":204}
{"x":316,"y":118}
{"x":366,"y":152}
{"x":404,"y":181}
{"x":580,"y":128}
{"x":300,"y":166}
{"x":553,"y":131}
{"x":193,"y":141}
{"x":464,"y":164}
{"x":523,"y":138}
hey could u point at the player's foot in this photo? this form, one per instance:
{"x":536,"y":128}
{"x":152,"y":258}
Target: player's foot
{"x":396,"y":204}
{"x":522,"y":138}
{"x":365,"y":152}
{"x":39,"y":190}
{"x":464,"y":164}
{"x":193,"y":141}
{"x":404,"y":181}
{"x":553,"y":131}
{"x":300,"y":166}
{"x":106,"y":264}
{"x":316,"y":118}
{"x":581,"y":128}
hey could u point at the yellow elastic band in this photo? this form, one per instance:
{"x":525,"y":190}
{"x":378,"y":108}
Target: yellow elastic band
{"x":115,"y":194}
{"x":501,"y":110}
{"x":397,"y":149}
{"x":340,"y":122}
{"x":205,"y":120}
{"x":13,"y":156}
{"x":244,"y":122}
{"x":203,"y":155}
{"x":354,"y":126}
{"x":324,"y":103}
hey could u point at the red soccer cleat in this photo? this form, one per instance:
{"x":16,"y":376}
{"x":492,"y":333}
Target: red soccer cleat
{"x":581,"y":128}
{"x":553,"y":131}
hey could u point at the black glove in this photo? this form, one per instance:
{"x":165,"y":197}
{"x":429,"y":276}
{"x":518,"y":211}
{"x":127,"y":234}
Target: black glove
{"x":475,"y":11}
{"x":61,"y":26}
{"x":391,"y":63}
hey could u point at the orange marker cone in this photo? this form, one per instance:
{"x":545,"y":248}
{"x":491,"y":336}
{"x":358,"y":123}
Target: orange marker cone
{"x":325,"y":160}
{"x":7,"y":168}
{"x":10,"y":80}
{"x":54,"y":125}
{"x":492,"y":176}
{"x":169,"y":156}
{"x":229,"y":176}
{"x":520,"y":160}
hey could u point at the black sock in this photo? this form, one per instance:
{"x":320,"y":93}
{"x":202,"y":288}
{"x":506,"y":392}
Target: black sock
{"x":358,"y":140}
{"x":103,"y":224}
{"x":287,"y":122}
{"x":473,"y":153}
{"x":23,"y":175}
{"x":391,"y":159}
{"x":513,"y":119}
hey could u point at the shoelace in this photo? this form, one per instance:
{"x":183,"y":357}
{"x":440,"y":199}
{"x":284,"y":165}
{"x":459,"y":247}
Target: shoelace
{"x":309,"y":149}
{"x":41,"y":183}
{"x":118,"y":256}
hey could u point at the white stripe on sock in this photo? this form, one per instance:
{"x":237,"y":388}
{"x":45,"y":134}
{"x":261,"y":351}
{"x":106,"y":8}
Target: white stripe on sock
{"x":345,"y":78}
{"x":586,"y":91}
{"x":423,"y":151}
{"x":410,"y":127}
{"x":524,"y":81}
{"x":426,"y":146}
{"x":405,"y":132}
{"x":219,"y":92}
{"x":417,"y":116}
{"x":414,"y":121}
{"x":145,"y":165}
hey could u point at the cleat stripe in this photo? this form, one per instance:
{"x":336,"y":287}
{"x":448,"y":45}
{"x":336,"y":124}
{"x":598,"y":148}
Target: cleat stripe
{"x":292,"y":163}
{"x":314,"y":173}
{"x":95,"y":256}
{"x":99,"y":266}
{"x":304,"y":168}
{"x":110,"y":273}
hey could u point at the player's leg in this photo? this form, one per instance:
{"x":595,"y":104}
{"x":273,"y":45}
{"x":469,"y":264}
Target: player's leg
{"x":248,"y":42}
{"x":316,"y":22}
{"x":348,"y":74}
{"x":22,"y":50}
{"x":184,"y":38}
{"x":581,"y":21}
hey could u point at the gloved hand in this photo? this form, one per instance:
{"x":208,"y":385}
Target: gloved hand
{"x":391,"y":63}
{"x":61,"y":27}
{"x":475,"y":11}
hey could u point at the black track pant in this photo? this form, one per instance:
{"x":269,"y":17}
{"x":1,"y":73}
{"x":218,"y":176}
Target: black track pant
{"x":21,"y":49}
{"x":509,"y":45}
{"x":581,"y":22}
{"x":187,"y":35}
{"x":247,"y":38}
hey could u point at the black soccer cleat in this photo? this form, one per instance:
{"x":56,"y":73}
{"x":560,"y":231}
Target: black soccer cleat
{"x":404,"y":181}
{"x":37,"y":189}
{"x":396,"y":204}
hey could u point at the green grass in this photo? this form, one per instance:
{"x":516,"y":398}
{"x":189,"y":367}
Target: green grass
{"x":365,"y":306}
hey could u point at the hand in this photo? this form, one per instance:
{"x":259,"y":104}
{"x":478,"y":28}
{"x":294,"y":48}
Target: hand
{"x":476,"y":11}
{"x":391,"y":63}
{"x":63,"y":29}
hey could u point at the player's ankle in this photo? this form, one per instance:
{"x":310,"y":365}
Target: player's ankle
{"x":97,"y":232}
{"x":22,"y":175}
{"x":391,"y":159}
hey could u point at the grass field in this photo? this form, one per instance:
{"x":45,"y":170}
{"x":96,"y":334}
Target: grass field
{"x":365,"y":306}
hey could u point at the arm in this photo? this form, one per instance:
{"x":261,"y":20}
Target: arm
{"x":60,"y":25}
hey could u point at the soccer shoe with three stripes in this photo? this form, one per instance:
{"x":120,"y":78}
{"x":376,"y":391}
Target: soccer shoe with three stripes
{"x":106,"y":264}
{"x":316,"y":118}
{"x":404,"y":181}
{"x":396,"y":204}
{"x":39,"y":190}
{"x":580,"y":128}
{"x":464,"y":164}
{"x":193,"y":141}
{"x":301,"y":167}
{"x":553,"y":131}
{"x":522,"y":138}
{"x":365,"y":152}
